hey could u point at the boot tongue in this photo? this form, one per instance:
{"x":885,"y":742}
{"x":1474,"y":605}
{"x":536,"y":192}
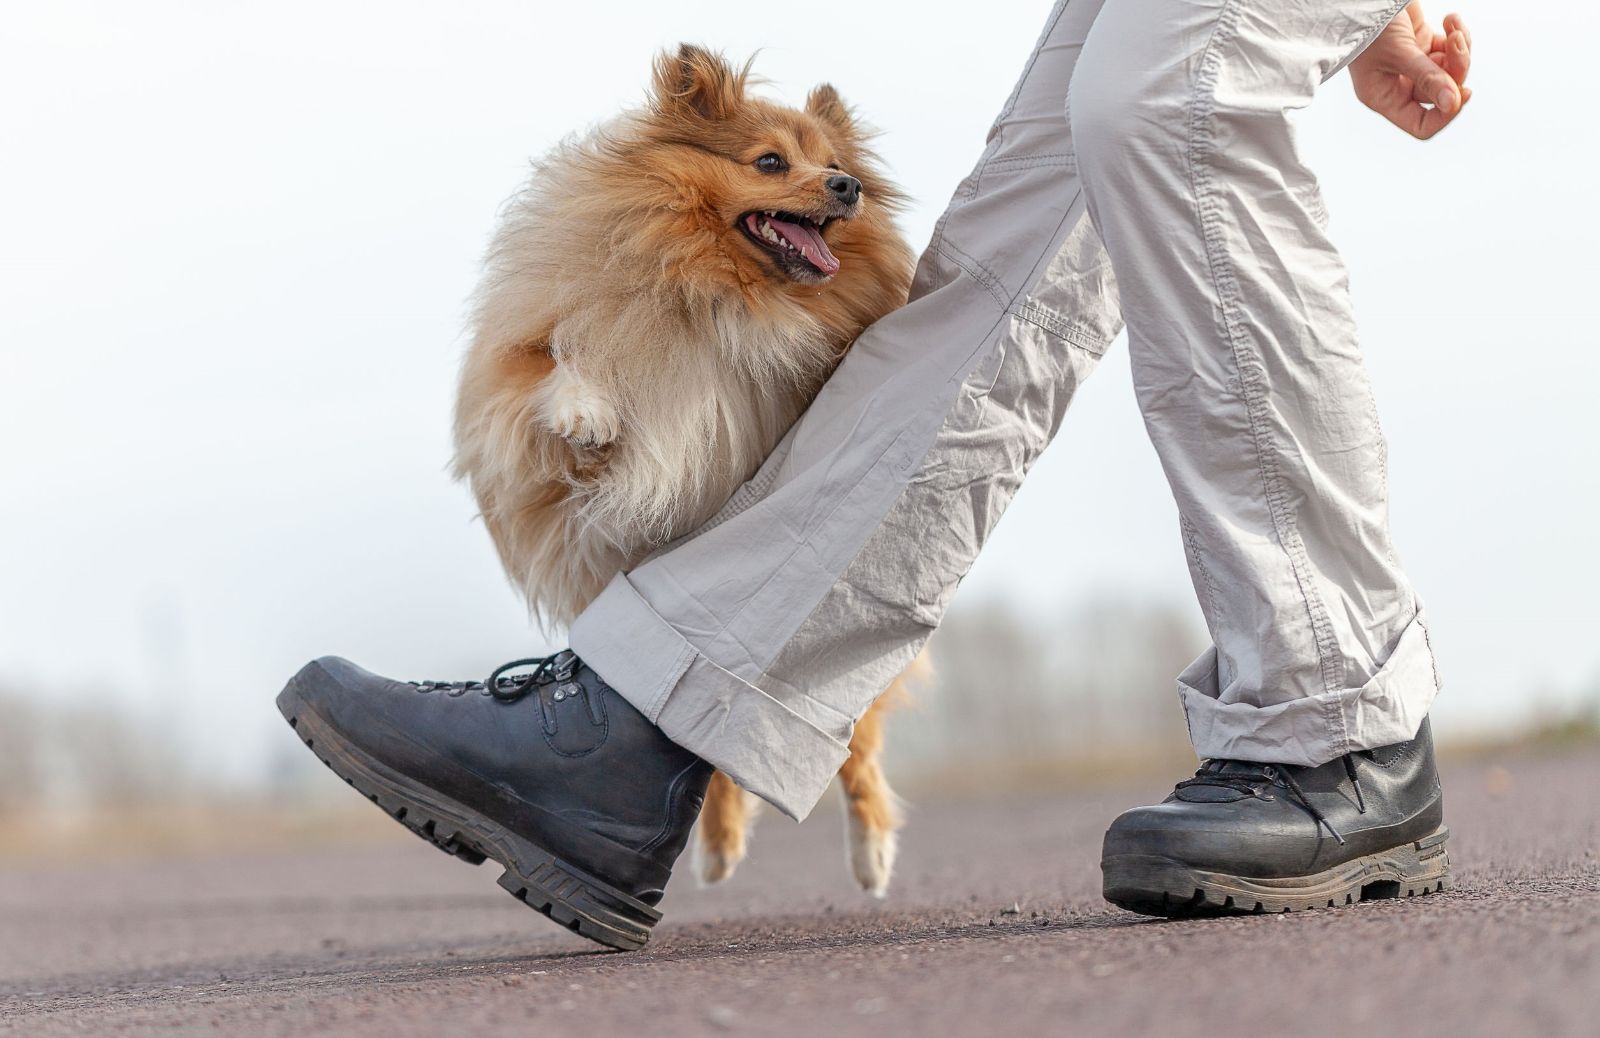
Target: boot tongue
{"x":1221,"y":781}
{"x":809,"y":242}
{"x":1238,"y":769}
{"x":1208,"y":794}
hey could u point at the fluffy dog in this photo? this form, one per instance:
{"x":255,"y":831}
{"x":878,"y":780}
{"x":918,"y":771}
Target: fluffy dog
{"x":662,"y":300}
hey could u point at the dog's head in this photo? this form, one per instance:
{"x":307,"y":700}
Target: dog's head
{"x":754,"y":195}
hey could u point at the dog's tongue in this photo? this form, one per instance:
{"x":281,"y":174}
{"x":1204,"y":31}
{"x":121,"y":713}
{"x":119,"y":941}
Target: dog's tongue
{"x":810,"y":244}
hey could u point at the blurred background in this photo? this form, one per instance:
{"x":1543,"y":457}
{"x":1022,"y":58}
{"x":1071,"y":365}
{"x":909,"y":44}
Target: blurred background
{"x":236,"y":244}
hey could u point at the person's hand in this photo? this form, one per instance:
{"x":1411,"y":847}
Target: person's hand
{"x":1414,"y":76}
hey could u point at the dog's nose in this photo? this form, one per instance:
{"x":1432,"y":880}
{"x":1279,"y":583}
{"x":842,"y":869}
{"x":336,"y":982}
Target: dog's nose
{"x":845,"y":188}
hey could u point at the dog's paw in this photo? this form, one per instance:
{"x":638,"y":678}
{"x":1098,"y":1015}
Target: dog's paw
{"x":872,"y":853}
{"x":723,"y":836}
{"x":576,"y":412}
{"x":717,"y":854}
{"x":717,"y":864}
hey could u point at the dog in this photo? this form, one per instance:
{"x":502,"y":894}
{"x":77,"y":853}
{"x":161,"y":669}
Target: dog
{"x":661,"y":301}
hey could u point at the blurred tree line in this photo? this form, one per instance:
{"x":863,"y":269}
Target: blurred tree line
{"x":1020,"y":697}
{"x":1029,"y":695}
{"x":1012,"y":689}
{"x":64,"y":754}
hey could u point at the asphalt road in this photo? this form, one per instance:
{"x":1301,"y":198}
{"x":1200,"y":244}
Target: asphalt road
{"x":994,"y":927}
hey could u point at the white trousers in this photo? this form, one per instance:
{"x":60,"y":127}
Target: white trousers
{"x":1144,"y":168}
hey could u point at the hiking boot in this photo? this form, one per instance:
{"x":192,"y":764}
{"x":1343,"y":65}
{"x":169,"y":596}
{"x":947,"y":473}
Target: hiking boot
{"x":1248,"y":837}
{"x":550,"y":772}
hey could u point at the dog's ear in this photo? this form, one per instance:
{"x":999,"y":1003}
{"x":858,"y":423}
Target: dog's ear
{"x":825,"y":103}
{"x":697,"y":80}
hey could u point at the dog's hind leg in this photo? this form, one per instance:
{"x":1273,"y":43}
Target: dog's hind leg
{"x":872,"y":811}
{"x":725,"y":823}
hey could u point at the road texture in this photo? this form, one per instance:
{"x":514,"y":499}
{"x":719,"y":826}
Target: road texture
{"x":994,"y":927}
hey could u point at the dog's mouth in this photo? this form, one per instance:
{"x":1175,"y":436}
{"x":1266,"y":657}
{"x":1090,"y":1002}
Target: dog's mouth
{"x":794,"y":241}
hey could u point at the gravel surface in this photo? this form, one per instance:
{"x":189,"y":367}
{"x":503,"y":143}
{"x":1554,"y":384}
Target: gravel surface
{"x":994,"y":925}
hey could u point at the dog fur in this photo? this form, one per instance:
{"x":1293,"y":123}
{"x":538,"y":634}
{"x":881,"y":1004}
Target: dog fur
{"x":636,"y":353}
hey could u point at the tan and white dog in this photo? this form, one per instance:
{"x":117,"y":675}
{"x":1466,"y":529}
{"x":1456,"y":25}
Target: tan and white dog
{"x":662,"y":300}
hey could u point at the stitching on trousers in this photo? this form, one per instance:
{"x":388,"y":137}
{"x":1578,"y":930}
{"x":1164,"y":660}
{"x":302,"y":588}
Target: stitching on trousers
{"x":747,"y":495}
{"x":1064,"y":158}
{"x":1016,"y":95}
{"x":982,"y":275}
{"x":1191,"y":541}
{"x":1208,"y":211}
{"x":1019,"y":162}
{"x":1075,"y":334}
{"x":1383,"y":465}
{"x":1427,"y":639}
{"x":681,"y":663}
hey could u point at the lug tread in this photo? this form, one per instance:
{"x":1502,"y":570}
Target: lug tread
{"x":548,"y":888}
{"x":1160,"y":887}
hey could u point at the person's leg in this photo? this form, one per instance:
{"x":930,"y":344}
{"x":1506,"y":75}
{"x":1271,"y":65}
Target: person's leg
{"x":758,"y":641}
{"x":1252,"y":387}
{"x":1247,"y":369}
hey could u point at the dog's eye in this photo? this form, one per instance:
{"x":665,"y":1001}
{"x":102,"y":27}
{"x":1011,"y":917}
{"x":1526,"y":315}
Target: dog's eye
{"x":771,"y":162}
{"x":833,"y":165}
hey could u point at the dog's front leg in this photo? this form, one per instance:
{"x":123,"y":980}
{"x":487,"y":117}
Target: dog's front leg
{"x":577,"y":409}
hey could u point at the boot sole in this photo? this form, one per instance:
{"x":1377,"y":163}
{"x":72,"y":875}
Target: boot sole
{"x":1153,"y":885}
{"x":571,"y":897}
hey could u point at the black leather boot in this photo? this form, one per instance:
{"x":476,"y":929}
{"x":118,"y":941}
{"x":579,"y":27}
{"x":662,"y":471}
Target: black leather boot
{"x":551,"y":773}
{"x":1248,"y":837}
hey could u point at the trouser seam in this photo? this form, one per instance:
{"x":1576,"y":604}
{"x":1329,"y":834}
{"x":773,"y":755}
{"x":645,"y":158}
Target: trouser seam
{"x":1011,"y":163}
{"x":1427,"y":639}
{"x":669,"y":679}
{"x":1016,"y":93}
{"x":1070,"y":331}
{"x":743,"y":498}
{"x":1191,"y":542}
{"x":976,"y":270}
{"x":1201,"y":122}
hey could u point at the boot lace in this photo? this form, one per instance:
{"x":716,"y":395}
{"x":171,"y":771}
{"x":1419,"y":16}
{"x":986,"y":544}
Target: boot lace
{"x":1244,"y":776}
{"x":506,"y":687}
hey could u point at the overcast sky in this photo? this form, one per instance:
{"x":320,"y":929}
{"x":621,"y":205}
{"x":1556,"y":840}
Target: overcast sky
{"x":236,"y":241}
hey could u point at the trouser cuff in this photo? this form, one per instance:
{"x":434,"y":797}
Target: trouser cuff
{"x":761,"y":744}
{"x":1316,"y":729}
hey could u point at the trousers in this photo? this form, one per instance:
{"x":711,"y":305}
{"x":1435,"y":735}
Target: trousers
{"x":1144,"y":169}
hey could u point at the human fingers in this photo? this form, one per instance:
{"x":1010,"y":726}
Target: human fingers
{"x":1455,"y":23}
{"x":1457,"y":56}
{"x":1431,"y":84}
